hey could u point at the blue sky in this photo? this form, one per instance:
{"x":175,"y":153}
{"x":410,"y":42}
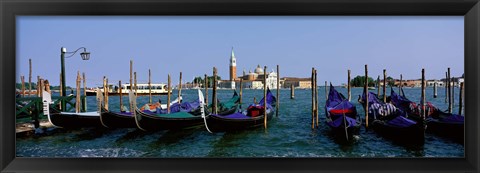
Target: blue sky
{"x":195,"y":44}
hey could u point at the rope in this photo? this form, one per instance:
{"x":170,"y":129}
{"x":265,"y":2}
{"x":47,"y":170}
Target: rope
{"x":202,"y":109}
{"x":345,"y":121}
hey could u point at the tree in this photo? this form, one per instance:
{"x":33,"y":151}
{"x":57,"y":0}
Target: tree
{"x":359,"y":81}
{"x":390,"y":81}
{"x":201,"y":81}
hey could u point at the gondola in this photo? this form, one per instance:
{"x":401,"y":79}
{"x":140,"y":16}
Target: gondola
{"x":70,"y":119}
{"x":113,"y":119}
{"x":151,"y":121}
{"x":252,"y":117}
{"x":391,"y":123}
{"x":342,"y":116}
{"x":223,"y":108}
{"x":122,"y":119}
{"x":438,"y":122}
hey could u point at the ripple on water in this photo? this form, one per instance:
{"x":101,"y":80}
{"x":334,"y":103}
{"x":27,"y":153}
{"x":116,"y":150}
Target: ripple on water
{"x":288,"y":135}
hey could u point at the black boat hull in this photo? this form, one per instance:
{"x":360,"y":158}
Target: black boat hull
{"x":454,"y":131}
{"x":340,"y":135}
{"x":116,"y":120}
{"x":414,"y":134}
{"x":149,"y":122}
{"x":74,"y":121}
{"x":218,"y":124}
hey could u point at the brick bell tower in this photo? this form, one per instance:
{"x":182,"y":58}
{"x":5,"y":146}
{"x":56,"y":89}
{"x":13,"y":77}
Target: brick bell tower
{"x":233,"y":67}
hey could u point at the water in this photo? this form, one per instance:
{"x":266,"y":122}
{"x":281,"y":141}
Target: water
{"x":288,"y":135}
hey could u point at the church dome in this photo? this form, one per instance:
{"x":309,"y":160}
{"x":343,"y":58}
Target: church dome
{"x":259,"y":70}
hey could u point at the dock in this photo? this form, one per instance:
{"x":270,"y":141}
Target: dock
{"x":27,"y":129}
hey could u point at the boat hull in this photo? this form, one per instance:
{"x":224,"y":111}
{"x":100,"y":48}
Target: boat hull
{"x":219,"y":124}
{"x":74,"y":120}
{"x":149,"y":122}
{"x":454,"y":131}
{"x":414,"y":134}
{"x":125,"y":94}
{"x":118,"y":120}
{"x":340,"y":135}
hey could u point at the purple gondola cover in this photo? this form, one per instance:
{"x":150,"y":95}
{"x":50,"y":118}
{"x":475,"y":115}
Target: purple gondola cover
{"x":350,"y":122}
{"x":372,"y":98}
{"x":270,"y":98}
{"x":180,"y":107}
{"x":400,"y":122}
{"x":453,"y":118}
{"x":338,"y":103}
{"x":400,"y":101}
{"x":242,"y":115}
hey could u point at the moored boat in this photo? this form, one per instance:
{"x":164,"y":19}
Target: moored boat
{"x":122,"y":119}
{"x":437,"y":122}
{"x":152,"y":121}
{"x":142,"y":89}
{"x":70,"y":119}
{"x":253,"y":116}
{"x":341,"y":116}
{"x":391,"y":123}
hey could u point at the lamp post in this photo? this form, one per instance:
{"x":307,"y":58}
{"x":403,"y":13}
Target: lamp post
{"x":85,"y":56}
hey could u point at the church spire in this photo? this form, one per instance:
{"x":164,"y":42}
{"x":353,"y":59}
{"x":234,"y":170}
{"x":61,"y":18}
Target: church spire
{"x":233,"y":66}
{"x":233,"y":60}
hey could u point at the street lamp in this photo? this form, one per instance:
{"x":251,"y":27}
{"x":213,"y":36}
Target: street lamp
{"x":85,"y":56}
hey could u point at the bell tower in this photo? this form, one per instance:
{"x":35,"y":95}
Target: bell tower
{"x":233,"y":66}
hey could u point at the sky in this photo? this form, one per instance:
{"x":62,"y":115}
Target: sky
{"x":194,"y":45}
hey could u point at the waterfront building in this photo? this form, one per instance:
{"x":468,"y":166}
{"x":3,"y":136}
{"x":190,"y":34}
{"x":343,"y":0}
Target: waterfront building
{"x":287,"y":82}
{"x":253,"y":80}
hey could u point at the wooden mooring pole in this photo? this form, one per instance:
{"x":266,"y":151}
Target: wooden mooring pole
{"x":423,"y":94}
{"x":449,"y":92}
{"x":135,"y":83}
{"x":84,"y":92}
{"x":313,"y":96}
{"x":384,"y":85}
{"x":435,"y":90}
{"x":349,"y":89}
{"x":46,"y":85}
{"x":265,"y":96}
{"x":241,"y":92}
{"x":38,"y":86}
{"x":326,"y":91}
{"x":180,"y":88}
{"x":131,"y":84}
{"x":214,"y":91}
{"x":168,"y":93}
{"x":206,"y":90}
{"x":30,"y":79}
{"x":401,"y":85}
{"x":22,"y":78}
{"x":292,"y":91}
{"x":316,"y":97}
{"x":366,"y":95}
{"x":460,"y":99}
{"x":446,"y":87}
{"x":453,"y":92}
{"x":77,"y":97}
{"x":278,"y":91}
{"x":61,"y":93}
{"x":107,"y":92}
{"x":41,"y":88}
{"x":150,"y":86}
{"x":120,"y":95}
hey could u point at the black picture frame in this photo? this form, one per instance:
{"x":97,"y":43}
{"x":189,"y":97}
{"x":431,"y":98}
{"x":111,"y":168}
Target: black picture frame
{"x":9,"y":9}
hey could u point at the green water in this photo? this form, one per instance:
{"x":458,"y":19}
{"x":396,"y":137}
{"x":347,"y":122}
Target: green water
{"x":288,"y":135}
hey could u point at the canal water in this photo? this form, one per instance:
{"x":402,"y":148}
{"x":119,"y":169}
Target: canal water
{"x":288,"y":135}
